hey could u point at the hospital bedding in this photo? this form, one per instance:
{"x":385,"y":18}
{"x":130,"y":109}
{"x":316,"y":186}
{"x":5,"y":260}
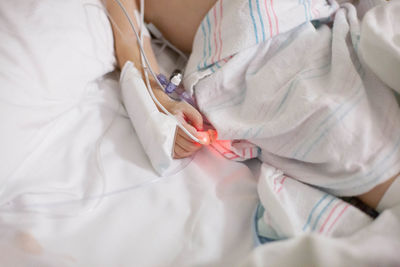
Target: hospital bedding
{"x":307,"y":114}
{"x":77,"y":188}
{"x":323,"y":118}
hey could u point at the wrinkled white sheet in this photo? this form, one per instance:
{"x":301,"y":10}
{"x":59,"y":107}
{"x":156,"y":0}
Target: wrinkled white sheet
{"x":378,"y":244}
{"x":380,"y":42}
{"x":76,"y":187}
{"x":316,"y":111}
{"x":323,"y":118}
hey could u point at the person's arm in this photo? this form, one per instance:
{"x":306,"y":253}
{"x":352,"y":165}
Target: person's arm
{"x":127,"y":49}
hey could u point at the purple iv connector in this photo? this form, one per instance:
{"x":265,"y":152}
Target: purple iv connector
{"x":172,"y":86}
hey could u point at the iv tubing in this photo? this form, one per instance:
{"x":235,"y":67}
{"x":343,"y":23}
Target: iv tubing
{"x":148,"y":68}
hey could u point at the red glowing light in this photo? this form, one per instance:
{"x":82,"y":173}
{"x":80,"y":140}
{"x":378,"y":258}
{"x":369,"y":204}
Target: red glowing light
{"x":203,"y":138}
{"x":206,"y":138}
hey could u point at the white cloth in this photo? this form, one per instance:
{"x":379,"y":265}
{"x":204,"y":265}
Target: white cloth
{"x":198,"y":217}
{"x":156,"y":131}
{"x":380,"y":42}
{"x":232,"y":26}
{"x":76,"y":186}
{"x":293,"y":208}
{"x":377,"y":244}
{"x":322,"y":118}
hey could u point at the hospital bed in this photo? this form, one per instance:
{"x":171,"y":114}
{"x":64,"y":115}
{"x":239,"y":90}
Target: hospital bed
{"x":77,"y":188}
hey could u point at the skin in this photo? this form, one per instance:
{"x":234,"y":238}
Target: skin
{"x":180,"y":34}
{"x":178,"y":20}
{"x":374,"y":196}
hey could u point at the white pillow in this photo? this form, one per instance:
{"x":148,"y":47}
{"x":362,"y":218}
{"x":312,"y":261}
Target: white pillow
{"x":51,"y":54}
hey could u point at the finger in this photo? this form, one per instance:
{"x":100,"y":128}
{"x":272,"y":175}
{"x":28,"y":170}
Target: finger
{"x":179,"y":152}
{"x":191,"y":130}
{"x":193,"y":115}
{"x":187,"y":145}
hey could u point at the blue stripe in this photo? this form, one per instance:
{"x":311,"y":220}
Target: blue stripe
{"x":327,"y":130}
{"x":290,"y":89}
{"x":294,"y":83}
{"x":375,"y":171}
{"x":261,"y":21}
{"x":313,"y":210}
{"x":322,"y":212}
{"x":293,"y":36}
{"x":286,"y":95}
{"x":305,"y":9}
{"x":204,"y":43}
{"x":233,"y":100}
{"x":209,"y":38}
{"x":326,"y":120}
{"x":254,"y":21}
{"x":309,"y":10}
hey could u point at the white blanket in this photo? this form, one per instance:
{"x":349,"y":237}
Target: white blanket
{"x":76,"y":186}
{"x":319,"y":115}
{"x":305,"y":98}
{"x":78,"y":190}
{"x":380,"y":42}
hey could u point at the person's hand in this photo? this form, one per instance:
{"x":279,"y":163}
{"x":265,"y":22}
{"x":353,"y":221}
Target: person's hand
{"x":191,"y":119}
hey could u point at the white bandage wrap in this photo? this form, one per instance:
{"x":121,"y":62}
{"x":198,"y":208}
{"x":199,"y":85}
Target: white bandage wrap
{"x":156,"y":131}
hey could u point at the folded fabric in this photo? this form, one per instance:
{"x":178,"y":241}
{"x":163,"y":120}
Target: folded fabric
{"x":306,"y":99}
{"x":292,"y":208}
{"x":380,"y":42}
{"x":233,"y":26}
{"x":156,"y":131}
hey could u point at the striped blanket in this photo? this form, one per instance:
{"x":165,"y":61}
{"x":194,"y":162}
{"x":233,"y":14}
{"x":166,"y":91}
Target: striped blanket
{"x":234,"y":25}
{"x":283,"y":81}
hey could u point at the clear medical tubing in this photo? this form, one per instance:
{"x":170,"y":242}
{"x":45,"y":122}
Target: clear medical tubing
{"x":147,"y":67}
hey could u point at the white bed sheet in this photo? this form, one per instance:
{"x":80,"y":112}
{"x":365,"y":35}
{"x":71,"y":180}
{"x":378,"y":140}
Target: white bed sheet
{"x":199,"y":216}
{"x":76,"y":186}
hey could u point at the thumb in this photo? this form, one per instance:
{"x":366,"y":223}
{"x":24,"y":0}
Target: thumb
{"x":193,"y":115}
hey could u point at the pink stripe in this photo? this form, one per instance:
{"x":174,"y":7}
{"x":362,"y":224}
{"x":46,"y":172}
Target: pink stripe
{"x":282,"y":181}
{"x":215,"y":33}
{"x":234,"y":157}
{"x":229,"y":155}
{"x":226,"y":60}
{"x":315,"y":11}
{"x":312,"y":7}
{"x":337,"y":218}
{"x":225,"y":149}
{"x":219,"y":30}
{"x":269,"y":18}
{"x":275,"y":184}
{"x":276,"y":18}
{"x":329,"y":216}
{"x":251,"y":153}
